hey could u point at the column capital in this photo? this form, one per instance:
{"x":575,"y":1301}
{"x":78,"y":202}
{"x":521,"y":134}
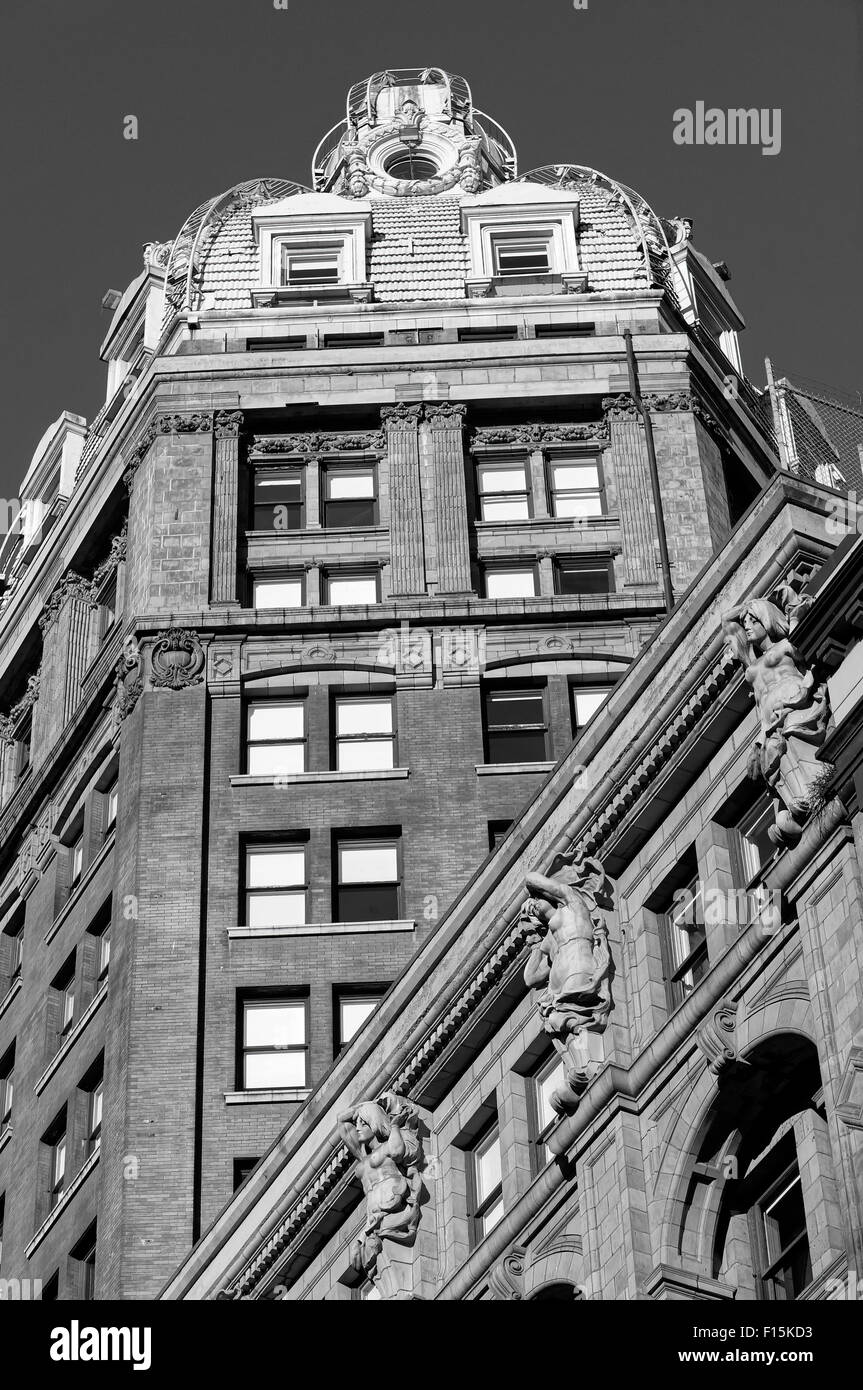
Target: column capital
{"x":448,"y":415}
{"x":401,"y":416}
{"x":228,"y":423}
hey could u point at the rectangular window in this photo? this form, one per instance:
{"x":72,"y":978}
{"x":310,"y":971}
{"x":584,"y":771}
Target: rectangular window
{"x":583,"y":576}
{"x":685,"y":942}
{"x":352,"y":1010}
{"x":784,"y":1263}
{"x":274,"y":1044}
{"x":497,"y":832}
{"x":104,"y":952}
{"x":350,"y":496}
{"x":111,"y":803}
{"x":276,"y":884}
{"x":76,"y":860}
{"x":504,"y":491}
{"x":296,"y":342}
{"x":367,"y":882}
{"x":310,"y":267}
{"x":12,"y":943}
{"x":564,"y":330}
{"x":522,"y":258}
{"x":516,"y":725}
{"x":353,"y":340}
{"x":84,"y":1255}
{"x":487,"y":1184}
{"x":242,"y":1168}
{"x":754,"y":843}
{"x":586,"y":700}
{"x":364,"y":734}
{"x":7,"y":1087}
{"x":276,"y":737}
{"x":547,"y":1080}
{"x":575,"y":486}
{"x":93,"y":1137}
{"x":277,"y":503}
{"x":107,"y":608}
{"x":58,"y":1168}
{"x":345,"y":589}
{"x":506,"y":334}
{"x":286,"y":592}
{"x":63,"y":1000}
{"x":517,"y":581}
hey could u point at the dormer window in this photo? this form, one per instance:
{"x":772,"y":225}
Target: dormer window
{"x":522,"y":241}
{"x":312,"y":247}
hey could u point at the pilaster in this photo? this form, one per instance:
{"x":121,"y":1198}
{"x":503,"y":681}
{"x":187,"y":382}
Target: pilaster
{"x":401,"y":423}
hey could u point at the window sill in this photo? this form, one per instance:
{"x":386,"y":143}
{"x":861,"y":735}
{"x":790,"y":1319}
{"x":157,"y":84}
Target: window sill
{"x":322,"y":929}
{"x":50,"y":1220}
{"x":5,"y":1137}
{"x":284,"y":779}
{"x":70,"y":1040}
{"x":291,"y":1095}
{"x":14,"y":988}
{"x":78,"y":890}
{"x":498,"y":769}
{"x":271,"y":296}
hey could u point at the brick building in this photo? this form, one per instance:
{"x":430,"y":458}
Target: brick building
{"x":396,"y":476}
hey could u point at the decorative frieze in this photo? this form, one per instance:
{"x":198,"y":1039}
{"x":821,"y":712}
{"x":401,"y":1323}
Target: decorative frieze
{"x":540,"y":436}
{"x":315,"y":442}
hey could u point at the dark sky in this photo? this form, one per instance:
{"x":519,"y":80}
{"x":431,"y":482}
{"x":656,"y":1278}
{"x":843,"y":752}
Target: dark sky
{"x":226,"y":90}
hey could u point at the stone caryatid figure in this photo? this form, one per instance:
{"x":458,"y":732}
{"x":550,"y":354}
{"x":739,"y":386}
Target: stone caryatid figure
{"x":383,"y":1138}
{"x":570,"y":968}
{"x":792,"y":704}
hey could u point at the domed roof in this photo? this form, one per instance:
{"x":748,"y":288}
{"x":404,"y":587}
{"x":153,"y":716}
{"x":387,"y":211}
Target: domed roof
{"x":418,"y":249}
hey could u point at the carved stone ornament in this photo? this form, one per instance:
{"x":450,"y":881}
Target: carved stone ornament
{"x":72,"y":585}
{"x":176,"y":659}
{"x":792,"y":703}
{"x":383,"y":1138}
{"x":128,"y":683}
{"x":570,"y":968}
{"x":196,"y":423}
{"x":447,"y":415}
{"x":228,"y":424}
{"x":538,"y":436}
{"x":401,"y":417}
{"x":506,"y":1280}
{"x":716,"y":1038}
{"x":318,"y":442}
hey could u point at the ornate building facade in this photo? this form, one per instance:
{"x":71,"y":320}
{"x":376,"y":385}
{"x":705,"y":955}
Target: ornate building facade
{"x":396,"y":481}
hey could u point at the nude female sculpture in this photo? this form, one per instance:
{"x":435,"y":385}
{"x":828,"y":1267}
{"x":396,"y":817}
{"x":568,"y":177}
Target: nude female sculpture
{"x":793,"y":708}
{"x":569,"y":967}
{"x":388,"y":1154}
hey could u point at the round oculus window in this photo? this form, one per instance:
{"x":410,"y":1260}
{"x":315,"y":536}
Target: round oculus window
{"x":404,"y":165}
